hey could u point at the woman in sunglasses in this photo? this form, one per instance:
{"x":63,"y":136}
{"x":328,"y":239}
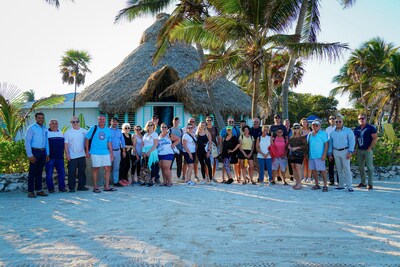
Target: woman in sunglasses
{"x":298,"y":148}
{"x":166,"y":142}
{"x":125,"y":163}
{"x":189,"y":152}
{"x":149,"y":151}
{"x":136,"y":157}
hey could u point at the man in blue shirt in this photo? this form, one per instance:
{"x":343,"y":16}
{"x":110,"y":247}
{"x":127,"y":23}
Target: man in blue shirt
{"x":118,"y":144}
{"x":341,"y":147}
{"x":100,"y":152}
{"x":366,"y":139}
{"x":37,"y":150}
{"x":56,"y":147}
{"x":318,"y":148}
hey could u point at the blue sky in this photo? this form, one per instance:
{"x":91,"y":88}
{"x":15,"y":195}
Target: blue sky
{"x":35,"y":35}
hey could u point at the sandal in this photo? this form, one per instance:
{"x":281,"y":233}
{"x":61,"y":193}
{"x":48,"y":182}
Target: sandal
{"x":109,"y":189}
{"x":315,"y":187}
{"x":325,"y":189}
{"x":96,"y":190}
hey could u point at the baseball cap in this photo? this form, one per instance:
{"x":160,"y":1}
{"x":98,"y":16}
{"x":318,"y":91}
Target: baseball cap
{"x":316,"y":122}
{"x":229,"y":128}
{"x":296,"y":125}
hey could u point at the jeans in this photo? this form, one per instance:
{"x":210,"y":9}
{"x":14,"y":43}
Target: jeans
{"x":80,"y":165}
{"x":365,"y":157}
{"x":265,"y":164}
{"x":59,"y":165}
{"x":115,"y":167}
{"x":36,"y":170}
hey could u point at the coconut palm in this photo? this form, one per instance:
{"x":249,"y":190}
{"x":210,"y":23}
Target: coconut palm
{"x":244,"y":33}
{"x":29,"y":95}
{"x":74,"y":66}
{"x":12,"y":112}
{"x":307,"y":27}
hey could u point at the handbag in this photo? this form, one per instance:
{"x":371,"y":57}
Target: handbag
{"x":176,"y":150}
{"x":298,"y":153}
{"x":272,"y":151}
{"x":214,"y":150}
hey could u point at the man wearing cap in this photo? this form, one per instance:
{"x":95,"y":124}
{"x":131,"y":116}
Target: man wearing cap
{"x":278,"y":126}
{"x":341,"y":146}
{"x":331,"y":161}
{"x":366,"y":139}
{"x":37,"y":150}
{"x":318,"y":143}
{"x":74,"y":147}
{"x":118,"y":143}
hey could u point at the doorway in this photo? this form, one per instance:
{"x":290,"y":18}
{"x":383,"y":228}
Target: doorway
{"x":165,"y":114}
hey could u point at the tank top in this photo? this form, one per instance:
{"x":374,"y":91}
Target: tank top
{"x":280,"y":145}
{"x":138,"y":147}
{"x":202,"y":141}
{"x":164,"y":145}
{"x":265,"y":142}
{"x":247,"y":142}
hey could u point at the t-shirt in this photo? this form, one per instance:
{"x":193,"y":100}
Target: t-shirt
{"x":235,"y":132}
{"x":191,"y":144}
{"x":148,"y":139}
{"x":76,"y":142}
{"x":229,"y":145}
{"x":100,"y":140}
{"x":214,"y":134}
{"x":364,"y":136}
{"x":178,"y":132}
{"x":256,"y":132}
{"x":316,"y":144}
{"x":164,"y":145}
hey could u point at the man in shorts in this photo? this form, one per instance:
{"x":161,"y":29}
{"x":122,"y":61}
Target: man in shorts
{"x":318,"y":143}
{"x":100,"y":152}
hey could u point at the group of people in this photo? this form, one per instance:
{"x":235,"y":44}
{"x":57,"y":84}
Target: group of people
{"x":242,"y":151}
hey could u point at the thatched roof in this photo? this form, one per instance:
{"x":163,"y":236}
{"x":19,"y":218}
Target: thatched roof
{"x":136,"y":81}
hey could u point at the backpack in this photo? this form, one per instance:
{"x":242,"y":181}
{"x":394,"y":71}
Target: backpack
{"x":91,"y":138}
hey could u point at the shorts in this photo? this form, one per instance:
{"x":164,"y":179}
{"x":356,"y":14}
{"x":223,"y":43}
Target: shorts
{"x":187,"y":158}
{"x":241,"y":156}
{"x":100,"y":160}
{"x":316,"y":165}
{"x":297,"y":160}
{"x":279,"y":162}
{"x":166,"y":157}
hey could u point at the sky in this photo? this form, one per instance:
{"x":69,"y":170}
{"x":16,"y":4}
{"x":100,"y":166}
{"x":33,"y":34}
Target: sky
{"x":35,"y":35}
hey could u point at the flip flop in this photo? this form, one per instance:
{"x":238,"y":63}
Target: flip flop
{"x":96,"y":190}
{"x":110,"y":189}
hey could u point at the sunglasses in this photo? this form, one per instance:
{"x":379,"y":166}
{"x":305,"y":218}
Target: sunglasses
{"x":127,"y":127}
{"x":208,"y":120}
{"x":150,"y":125}
{"x":332,"y":118}
{"x":231,"y":122}
{"x":279,"y":132}
{"x":338,"y":121}
{"x":363,"y":118}
{"x":138,"y":129}
{"x":315,"y":125}
{"x":164,"y":127}
{"x":75,"y":121}
{"x":190,"y":127}
{"x":296,"y":128}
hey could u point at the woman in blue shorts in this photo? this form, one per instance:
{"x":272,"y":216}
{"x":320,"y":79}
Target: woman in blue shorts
{"x":189,"y":152}
{"x":166,"y":142}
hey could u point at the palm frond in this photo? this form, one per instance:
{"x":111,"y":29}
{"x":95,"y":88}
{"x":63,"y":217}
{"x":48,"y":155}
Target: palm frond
{"x":320,"y":51}
{"x":139,"y":8}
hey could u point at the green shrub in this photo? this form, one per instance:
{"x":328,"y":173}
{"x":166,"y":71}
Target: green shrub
{"x":13,"y":158}
{"x":386,"y":152}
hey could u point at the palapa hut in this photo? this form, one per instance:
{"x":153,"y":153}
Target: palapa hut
{"x":135,"y":89}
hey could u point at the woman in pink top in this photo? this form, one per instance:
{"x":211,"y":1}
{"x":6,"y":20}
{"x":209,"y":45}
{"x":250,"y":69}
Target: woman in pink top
{"x":280,"y":159}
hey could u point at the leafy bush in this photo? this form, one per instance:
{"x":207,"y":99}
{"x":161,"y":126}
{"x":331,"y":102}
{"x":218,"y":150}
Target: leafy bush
{"x":386,"y":152}
{"x":13,"y":158}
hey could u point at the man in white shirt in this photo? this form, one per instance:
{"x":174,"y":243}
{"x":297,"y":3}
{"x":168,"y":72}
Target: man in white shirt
{"x":74,"y":146}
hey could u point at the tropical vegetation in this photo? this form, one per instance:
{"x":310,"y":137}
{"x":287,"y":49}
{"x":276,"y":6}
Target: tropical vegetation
{"x":371,"y":77}
{"x":73,"y":67}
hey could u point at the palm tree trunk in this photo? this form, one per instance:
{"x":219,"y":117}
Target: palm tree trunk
{"x":210,"y":93}
{"x":256,"y":88}
{"x":73,"y":104}
{"x":292,"y":60}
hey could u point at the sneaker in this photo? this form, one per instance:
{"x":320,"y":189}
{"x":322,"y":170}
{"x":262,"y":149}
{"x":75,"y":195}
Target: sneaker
{"x":262,"y":184}
{"x":192,"y":183}
{"x":304,"y":180}
{"x":360,"y":185}
{"x":212,"y":182}
{"x":31,"y":195}
{"x":308,"y":180}
{"x":229,"y":181}
{"x":331,"y":183}
{"x":51,"y":191}
{"x":351,"y":190}
{"x":63,"y":190}
{"x":118,"y":184}
{"x":42,"y":194}
{"x":315,"y":187}
{"x":291,"y":178}
{"x":203,"y":182}
{"x":370,"y":187}
{"x":83,"y":189}
{"x":338,"y":188}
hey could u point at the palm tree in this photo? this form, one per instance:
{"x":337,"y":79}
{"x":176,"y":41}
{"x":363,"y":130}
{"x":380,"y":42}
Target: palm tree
{"x":29,"y":95}
{"x":74,"y":66}
{"x":12,"y":113}
{"x":307,"y":28}
{"x":371,"y":76}
{"x":240,"y":37}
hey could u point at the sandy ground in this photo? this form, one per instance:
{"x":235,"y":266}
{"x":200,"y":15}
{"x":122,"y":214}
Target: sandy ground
{"x":203,"y":225}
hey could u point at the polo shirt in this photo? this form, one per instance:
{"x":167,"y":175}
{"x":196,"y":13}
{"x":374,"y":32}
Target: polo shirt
{"x":317,"y":144}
